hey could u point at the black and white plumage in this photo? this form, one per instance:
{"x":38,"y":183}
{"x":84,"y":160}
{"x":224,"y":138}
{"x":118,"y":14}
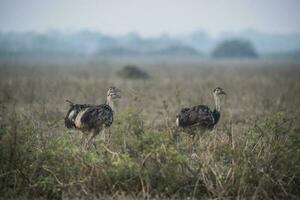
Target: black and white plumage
{"x":92,"y":118}
{"x":201,"y":116}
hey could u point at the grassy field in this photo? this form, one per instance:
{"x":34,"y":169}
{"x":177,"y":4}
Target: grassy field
{"x":253,"y":153}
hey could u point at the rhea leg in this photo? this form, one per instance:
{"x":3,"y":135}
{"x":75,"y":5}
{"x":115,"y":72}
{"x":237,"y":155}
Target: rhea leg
{"x":192,"y":143}
{"x":195,"y":141}
{"x":84,"y":137}
{"x":191,"y":140}
{"x":108,"y":132}
{"x":91,"y":141}
{"x":195,"y":144}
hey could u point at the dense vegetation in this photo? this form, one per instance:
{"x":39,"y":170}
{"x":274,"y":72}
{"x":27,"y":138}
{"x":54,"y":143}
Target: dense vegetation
{"x":252,"y":153}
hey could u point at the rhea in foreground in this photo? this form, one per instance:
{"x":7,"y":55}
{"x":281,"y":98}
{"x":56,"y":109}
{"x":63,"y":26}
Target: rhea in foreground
{"x":91,"y":119}
{"x":201,"y":116}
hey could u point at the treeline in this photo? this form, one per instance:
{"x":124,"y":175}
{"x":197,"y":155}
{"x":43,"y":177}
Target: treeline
{"x":95,"y":43}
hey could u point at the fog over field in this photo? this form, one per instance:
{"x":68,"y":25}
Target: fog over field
{"x":149,"y":99}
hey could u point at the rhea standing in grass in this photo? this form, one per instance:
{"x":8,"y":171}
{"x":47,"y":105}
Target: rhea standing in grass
{"x":91,"y":119}
{"x":201,"y":116}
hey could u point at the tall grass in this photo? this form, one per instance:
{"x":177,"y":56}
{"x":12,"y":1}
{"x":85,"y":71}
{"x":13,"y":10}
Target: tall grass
{"x":252,"y":154}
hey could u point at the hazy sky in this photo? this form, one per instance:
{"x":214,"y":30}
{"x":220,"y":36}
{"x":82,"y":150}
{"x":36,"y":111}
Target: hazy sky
{"x":151,"y":17}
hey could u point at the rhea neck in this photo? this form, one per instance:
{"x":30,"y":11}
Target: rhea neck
{"x":217,"y":102}
{"x":110,"y":102}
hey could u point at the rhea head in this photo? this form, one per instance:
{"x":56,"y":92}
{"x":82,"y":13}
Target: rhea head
{"x":113,"y":93}
{"x":219,"y":91}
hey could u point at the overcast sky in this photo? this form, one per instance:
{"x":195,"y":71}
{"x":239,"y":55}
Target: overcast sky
{"x":151,"y":17}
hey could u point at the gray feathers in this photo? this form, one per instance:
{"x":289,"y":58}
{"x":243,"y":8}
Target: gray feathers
{"x":200,"y":116}
{"x":87,"y":117}
{"x":97,"y":116}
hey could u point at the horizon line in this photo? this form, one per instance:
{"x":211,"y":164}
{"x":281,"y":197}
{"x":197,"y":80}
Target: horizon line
{"x":141,"y":35}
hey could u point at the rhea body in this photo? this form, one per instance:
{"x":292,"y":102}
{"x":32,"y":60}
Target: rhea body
{"x":91,"y":119}
{"x":201,"y":116}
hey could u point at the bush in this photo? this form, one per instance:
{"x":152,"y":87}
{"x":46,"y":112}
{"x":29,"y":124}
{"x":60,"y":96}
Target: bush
{"x":235,"y":49}
{"x":133,"y":72}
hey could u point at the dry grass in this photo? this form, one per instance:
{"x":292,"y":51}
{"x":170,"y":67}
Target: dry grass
{"x":252,"y":154}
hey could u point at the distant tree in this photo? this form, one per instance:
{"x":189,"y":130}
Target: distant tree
{"x":133,"y":72}
{"x":236,"y":48}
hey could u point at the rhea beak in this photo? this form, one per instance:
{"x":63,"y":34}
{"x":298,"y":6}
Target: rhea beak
{"x":117,"y":94}
{"x":222,"y":92}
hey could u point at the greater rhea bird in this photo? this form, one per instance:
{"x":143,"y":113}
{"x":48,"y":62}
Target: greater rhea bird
{"x":201,"y":116}
{"x":91,"y":119}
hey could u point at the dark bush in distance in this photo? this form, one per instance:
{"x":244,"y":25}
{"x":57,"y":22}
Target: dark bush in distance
{"x":133,"y":72}
{"x":236,"y":48}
